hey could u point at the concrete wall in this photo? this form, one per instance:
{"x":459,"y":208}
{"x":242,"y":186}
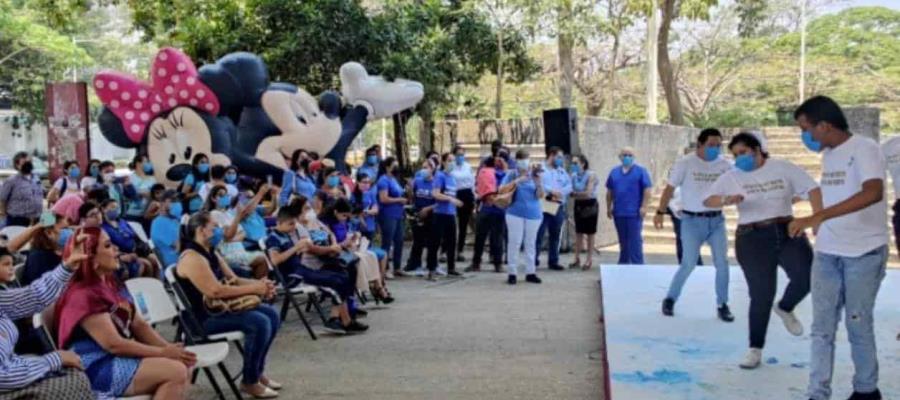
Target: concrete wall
{"x":865,"y":121}
{"x":656,"y":147}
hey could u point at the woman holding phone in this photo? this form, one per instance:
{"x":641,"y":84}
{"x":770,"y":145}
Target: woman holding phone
{"x":523,"y":216}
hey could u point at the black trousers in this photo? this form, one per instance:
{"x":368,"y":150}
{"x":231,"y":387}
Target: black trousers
{"x":421,"y":237}
{"x":760,"y":251}
{"x":489,"y":225}
{"x":895,"y":219}
{"x":443,"y":232}
{"x":463,"y":216}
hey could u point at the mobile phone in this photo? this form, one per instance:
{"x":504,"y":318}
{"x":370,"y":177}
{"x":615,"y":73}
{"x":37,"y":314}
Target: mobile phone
{"x":269,"y":179}
{"x":47,"y":219}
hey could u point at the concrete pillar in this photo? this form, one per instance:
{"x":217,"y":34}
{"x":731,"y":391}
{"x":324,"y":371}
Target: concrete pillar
{"x":865,"y":121}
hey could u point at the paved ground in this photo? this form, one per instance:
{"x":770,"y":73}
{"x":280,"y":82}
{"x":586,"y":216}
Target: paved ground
{"x":475,"y":338}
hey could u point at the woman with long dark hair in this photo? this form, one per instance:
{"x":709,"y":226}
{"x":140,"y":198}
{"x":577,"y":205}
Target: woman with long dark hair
{"x":585,"y":188}
{"x":143,"y":180}
{"x":391,"y":200}
{"x":296,"y":180}
{"x":190,"y":186}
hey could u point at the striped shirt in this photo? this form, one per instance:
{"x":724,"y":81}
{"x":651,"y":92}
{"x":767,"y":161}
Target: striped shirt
{"x":23,"y":196}
{"x":16,"y":371}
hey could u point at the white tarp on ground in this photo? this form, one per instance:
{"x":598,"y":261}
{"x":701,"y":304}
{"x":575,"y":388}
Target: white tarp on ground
{"x":694,"y":356}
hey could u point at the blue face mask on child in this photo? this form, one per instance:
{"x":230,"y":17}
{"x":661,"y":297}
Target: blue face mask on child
{"x":745,"y":162}
{"x":74,"y":172}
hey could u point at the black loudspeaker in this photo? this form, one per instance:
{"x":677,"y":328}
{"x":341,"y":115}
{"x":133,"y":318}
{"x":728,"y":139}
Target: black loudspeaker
{"x":560,"y":129}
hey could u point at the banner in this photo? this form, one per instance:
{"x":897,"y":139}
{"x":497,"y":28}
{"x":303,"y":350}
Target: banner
{"x":66,"y":108}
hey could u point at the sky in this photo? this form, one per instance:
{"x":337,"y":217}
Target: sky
{"x":894,"y":4}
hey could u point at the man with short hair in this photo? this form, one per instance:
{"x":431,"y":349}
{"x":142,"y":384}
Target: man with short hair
{"x":557,"y":186}
{"x":627,"y":193}
{"x":21,"y":196}
{"x":851,"y":246}
{"x":694,"y":174}
{"x":370,"y":164}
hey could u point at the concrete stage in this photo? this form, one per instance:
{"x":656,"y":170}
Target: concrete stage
{"x":695,"y":356}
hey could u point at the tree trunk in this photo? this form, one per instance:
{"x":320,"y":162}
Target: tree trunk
{"x":666,"y":73}
{"x":611,"y":78}
{"x":401,"y":145}
{"x":565,"y":43}
{"x":498,"y":106}
{"x":426,"y":132}
{"x":594,"y":108}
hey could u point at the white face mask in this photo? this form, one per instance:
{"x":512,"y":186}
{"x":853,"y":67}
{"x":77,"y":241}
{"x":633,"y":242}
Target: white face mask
{"x":310,"y":215}
{"x":523,"y":164}
{"x":109,"y":176}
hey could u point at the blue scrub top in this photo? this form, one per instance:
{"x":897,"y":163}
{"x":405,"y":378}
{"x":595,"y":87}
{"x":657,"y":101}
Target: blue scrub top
{"x":393,"y":188}
{"x":628,"y":190}
{"x":525,"y":202}
{"x":164,"y":234}
{"x":447,"y":185}
{"x":369,"y":199}
{"x":254,"y":227}
{"x":302,"y":186}
{"x":422,"y":196}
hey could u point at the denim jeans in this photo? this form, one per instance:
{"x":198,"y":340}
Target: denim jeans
{"x":392,"y":238}
{"x":259,"y":326}
{"x":848,"y":284}
{"x":759,"y":252}
{"x":631,"y":245}
{"x":553,"y":224}
{"x":694,"y":232}
{"x":676,"y":227}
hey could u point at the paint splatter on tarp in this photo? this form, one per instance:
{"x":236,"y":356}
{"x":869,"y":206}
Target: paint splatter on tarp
{"x":665,"y":376}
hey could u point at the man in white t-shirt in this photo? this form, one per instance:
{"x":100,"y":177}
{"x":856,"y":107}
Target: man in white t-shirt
{"x":851,"y":246}
{"x":694,"y":174}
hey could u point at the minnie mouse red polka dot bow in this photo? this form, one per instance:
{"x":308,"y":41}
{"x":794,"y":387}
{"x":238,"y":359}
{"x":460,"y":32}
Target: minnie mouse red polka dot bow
{"x":136,"y":102}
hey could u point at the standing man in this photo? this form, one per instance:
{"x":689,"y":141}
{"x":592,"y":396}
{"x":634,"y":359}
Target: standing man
{"x":851,"y":247}
{"x":557,"y":187}
{"x":21,"y":196}
{"x":628,"y":192}
{"x":465,"y":185}
{"x":370,"y":165}
{"x":694,"y":174}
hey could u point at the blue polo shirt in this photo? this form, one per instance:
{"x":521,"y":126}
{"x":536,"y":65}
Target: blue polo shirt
{"x":254,"y":227}
{"x":123,"y":236}
{"x":393,"y":189}
{"x":295,"y":184}
{"x":368,"y":199}
{"x":283,"y":242}
{"x":447,"y":185}
{"x":164,"y":234}
{"x":525,"y":202}
{"x":628,"y":190}
{"x":422,"y":196}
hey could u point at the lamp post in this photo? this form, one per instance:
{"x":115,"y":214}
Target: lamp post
{"x":75,"y":66}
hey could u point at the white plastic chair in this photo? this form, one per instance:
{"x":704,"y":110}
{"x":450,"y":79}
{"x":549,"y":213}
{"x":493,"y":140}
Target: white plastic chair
{"x":159,"y":308}
{"x":12,"y":231}
{"x":141,"y":234}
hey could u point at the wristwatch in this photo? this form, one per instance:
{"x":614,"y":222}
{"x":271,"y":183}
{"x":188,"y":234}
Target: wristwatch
{"x":660,"y":212}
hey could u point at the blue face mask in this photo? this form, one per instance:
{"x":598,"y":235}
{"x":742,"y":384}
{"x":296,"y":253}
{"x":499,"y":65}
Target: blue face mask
{"x":231,"y":177}
{"x":175,"y":210}
{"x":94,"y":170}
{"x":224,"y":201}
{"x":421,"y":174}
{"x":811,"y":143}
{"x":203,"y":168}
{"x":372,"y":160}
{"x":113,"y":214}
{"x":74,"y":172}
{"x":711,"y":153}
{"x":333,"y":181}
{"x":218,"y":235}
{"x":148,"y":168}
{"x":460,"y":159}
{"x":558,"y":161}
{"x":64,"y":236}
{"x":745,"y":162}
{"x":575,"y":169}
{"x":627,"y":161}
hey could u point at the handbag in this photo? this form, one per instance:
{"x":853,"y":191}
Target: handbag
{"x":234,"y":304}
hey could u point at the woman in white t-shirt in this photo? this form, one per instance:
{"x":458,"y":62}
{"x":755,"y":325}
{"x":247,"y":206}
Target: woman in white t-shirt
{"x":65,"y":184}
{"x":763,"y":190}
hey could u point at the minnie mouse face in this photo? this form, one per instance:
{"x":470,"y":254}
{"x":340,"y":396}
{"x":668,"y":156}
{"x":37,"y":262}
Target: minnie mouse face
{"x":174,"y":140}
{"x":302,"y":123}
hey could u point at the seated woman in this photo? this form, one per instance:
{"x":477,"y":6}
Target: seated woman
{"x":122,"y":354}
{"x":365,"y":199}
{"x":222,"y":209}
{"x":134,"y":254}
{"x":53,"y":375}
{"x":369,"y":271}
{"x":199,"y":272}
{"x":285,"y":247}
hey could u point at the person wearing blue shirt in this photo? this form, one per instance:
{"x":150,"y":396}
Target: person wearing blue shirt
{"x":557,"y":186}
{"x":190,"y":185}
{"x":628,"y":191}
{"x":165,"y":229}
{"x":523,"y":216}
{"x":133,"y":253}
{"x":423,"y":206}
{"x":390,"y":216}
{"x":296,"y":180}
{"x":255,"y":224}
{"x":443,"y":221}
{"x":365,"y":199}
{"x":370,"y":167}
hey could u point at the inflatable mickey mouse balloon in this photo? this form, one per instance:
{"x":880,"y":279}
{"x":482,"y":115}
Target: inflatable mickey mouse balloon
{"x":233,"y":114}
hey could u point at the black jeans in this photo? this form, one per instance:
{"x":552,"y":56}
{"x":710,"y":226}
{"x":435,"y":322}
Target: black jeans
{"x":760,"y":251}
{"x":443,"y":231}
{"x":421,"y":233}
{"x":463,"y":216}
{"x":489,"y":224}
{"x":895,"y":219}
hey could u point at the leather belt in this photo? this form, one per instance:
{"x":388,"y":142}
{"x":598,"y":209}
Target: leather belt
{"x":705,"y":214}
{"x":763,"y":224}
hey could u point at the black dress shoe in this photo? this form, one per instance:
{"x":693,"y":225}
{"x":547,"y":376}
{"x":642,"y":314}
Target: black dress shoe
{"x":876,"y":395}
{"x":511,"y":280}
{"x":725,"y":313}
{"x":460,"y":258}
{"x":557,"y":267}
{"x":532,"y":278}
{"x":668,"y":307}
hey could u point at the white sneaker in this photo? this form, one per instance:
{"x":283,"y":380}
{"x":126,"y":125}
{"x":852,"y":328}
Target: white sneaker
{"x":791,"y":323}
{"x":440,"y":272}
{"x":381,"y":97}
{"x":389,"y":275}
{"x":752,"y":359}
